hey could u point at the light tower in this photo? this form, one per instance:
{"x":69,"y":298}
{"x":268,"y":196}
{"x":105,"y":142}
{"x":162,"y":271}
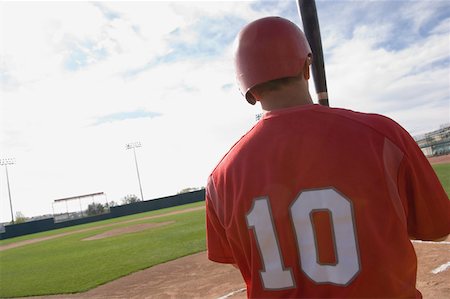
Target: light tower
{"x":133,"y":146}
{"x":6,"y":162}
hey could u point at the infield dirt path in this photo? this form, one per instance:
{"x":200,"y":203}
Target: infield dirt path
{"x":196,"y":277}
{"x":440,"y":159}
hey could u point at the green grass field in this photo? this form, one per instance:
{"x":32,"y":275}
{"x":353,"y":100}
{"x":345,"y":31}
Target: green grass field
{"x":443,"y":172}
{"x":70,"y":265}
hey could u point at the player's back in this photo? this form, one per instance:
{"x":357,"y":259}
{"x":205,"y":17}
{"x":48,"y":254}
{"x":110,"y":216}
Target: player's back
{"x":310,"y":202}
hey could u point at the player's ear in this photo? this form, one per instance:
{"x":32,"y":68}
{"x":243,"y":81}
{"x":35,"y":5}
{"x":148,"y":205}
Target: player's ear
{"x":254,"y":95}
{"x":251,"y":98}
{"x":306,"y":71}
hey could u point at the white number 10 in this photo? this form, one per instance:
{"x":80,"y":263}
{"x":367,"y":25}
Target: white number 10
{"x":274,"y":275}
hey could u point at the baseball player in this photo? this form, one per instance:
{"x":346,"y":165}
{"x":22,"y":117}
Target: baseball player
{"x":316,"y":201}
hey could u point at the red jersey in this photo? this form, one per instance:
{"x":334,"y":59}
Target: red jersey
{"x":322,"y":202}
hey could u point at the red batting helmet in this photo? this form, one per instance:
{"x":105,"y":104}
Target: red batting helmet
{"x":268,"y":49}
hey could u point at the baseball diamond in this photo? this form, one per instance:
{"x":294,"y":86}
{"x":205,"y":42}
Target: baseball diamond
{"x":132,"y":165}
{"x":194,"y":276}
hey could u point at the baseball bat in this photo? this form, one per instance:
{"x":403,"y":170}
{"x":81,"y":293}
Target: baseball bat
{"x":308,"y":13}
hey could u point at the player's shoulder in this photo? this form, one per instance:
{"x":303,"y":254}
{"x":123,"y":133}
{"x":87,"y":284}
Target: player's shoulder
{"x":379,"y":125}
{"x":377,"y":122}
{"x":362,"y":117}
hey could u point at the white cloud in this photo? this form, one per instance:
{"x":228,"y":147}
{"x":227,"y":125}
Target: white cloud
{"x":371,"y":70}
{"x":51,"y":136}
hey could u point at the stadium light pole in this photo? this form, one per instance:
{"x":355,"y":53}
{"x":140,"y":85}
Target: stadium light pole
{"x":133,"y":146}
{"x":7,"y":162}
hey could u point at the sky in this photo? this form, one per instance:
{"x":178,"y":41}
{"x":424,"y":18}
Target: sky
{"x":80,"y":80}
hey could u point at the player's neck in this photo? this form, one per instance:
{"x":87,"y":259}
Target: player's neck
{"x":285,"y":98}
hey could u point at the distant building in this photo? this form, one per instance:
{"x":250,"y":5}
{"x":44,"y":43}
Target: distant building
{"x":435,"y":143}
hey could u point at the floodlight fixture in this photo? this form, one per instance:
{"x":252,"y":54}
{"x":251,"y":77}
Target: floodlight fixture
{"x":7,"y":161}
{"x":134,"y":145}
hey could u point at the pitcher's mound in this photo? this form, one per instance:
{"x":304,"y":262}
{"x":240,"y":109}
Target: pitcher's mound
{"x":127,"y":230}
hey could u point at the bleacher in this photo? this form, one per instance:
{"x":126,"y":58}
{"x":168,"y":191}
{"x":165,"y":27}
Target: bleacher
{"x":435,"y":143}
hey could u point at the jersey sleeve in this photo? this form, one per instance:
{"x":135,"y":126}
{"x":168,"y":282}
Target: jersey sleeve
{"x":218,"y":247}
{"x":428,"y":215}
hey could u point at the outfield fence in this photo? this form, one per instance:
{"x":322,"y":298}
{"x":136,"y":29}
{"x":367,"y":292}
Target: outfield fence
{"x":31,"y":227}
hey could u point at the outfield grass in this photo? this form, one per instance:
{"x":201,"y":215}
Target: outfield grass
{"x":443,"y":172}
{"x":98,"y":223}
{"x":69,"y":265}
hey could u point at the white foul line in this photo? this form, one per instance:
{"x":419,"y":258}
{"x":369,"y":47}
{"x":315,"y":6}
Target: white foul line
{"x":431,"y":242}
{"x":441,"y":268}
{"x":232,"y":293}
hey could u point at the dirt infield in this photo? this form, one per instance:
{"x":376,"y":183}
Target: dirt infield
{"x":433,"y":276}
{"x":188,"y":277}
{"x":440,"y":159}
{"x":196,"y":277}
{"x":127,"y":230}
